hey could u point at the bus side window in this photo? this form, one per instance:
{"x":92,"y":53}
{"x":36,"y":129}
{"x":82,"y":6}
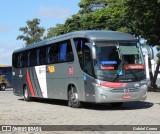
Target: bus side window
{"x":53,"y":53}
{"x":41,"y":56}
{"x":70,"y":56}
{"x":50,"y":55}
{"x":23,"y":59}
{"x":63,"y":51}
{"x":60,"y":52}
{"x":16,"y":60}
{"x":87,"y":61}
{"x":32,"y":57}
{"x":84,"y":55}
{"x":66,"y":52}
{"x":79,"y":43}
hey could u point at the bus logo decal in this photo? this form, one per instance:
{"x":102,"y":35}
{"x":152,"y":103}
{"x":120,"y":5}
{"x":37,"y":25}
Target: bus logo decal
{"x":71,"y":70}
{"x":84,"y":77}
{"x":126,"y":90}
{"x":51,"y":69}
{"x":41,"y":76}
{"x":41,"y":70}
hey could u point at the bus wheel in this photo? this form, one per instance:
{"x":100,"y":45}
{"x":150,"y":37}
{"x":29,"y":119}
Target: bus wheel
{"x":26,"y":94}
{"x":116,"y":104}
{"x":3,"y":87}
{"x":73,"y":100}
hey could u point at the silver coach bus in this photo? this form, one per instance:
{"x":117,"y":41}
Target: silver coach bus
{"x":82,"y":66}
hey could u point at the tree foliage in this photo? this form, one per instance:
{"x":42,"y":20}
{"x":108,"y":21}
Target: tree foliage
{"x":138,"y":17}
{"x":96,"y":15}
{"x":32,"y":33}
{"x":54,"y":31}
{"x":143,"y":17}
{"x":88,"y":6}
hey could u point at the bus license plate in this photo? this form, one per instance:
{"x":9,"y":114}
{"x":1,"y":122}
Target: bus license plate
{"x":127,"y":96}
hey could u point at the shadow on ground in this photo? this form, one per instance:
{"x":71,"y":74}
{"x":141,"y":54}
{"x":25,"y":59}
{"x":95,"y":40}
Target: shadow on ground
{"x":92,"y":106}
{"x":7,"y":89}
{"x":126,"y":106}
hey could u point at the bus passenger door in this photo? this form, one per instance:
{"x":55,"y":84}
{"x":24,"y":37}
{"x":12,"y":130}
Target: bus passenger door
{"x":88,"y":75}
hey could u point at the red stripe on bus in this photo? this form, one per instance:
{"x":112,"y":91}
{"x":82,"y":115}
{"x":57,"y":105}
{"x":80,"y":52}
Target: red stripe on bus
{"x":111,"y":84}
{"x":30,"y":84}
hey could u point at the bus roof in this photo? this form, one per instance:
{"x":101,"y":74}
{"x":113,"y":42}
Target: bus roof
{"x":90,"y":34}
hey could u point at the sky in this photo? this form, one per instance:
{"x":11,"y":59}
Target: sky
{"x":15,"y":13}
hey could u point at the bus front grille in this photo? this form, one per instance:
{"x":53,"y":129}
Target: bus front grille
{"x":127,"y":90}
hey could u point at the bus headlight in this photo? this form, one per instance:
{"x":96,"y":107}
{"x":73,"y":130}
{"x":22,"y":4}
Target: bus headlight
{"x":144,"y":87}
{"x":99,"y":86}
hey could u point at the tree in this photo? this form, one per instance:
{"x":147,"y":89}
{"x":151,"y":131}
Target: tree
{"x":32,"y":33}
{"x":140,"y":18}
{"x":88,"y":6}
{"x":54,"y":31}
{"x":96,"y":15}
{"x":143,"y":18}
{"x":89,"y":17}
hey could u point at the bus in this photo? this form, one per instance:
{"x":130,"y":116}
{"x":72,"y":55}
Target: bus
{"x":83,"y":66}
{"x":5,"y":77}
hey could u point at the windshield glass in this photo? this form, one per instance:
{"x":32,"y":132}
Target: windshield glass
{"x":119,"y":62}
{"x":130,"y":53}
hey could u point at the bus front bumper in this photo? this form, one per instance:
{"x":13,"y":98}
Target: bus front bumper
{"x":120,"y":95}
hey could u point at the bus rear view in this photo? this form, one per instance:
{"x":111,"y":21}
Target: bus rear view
{"x":5,"y":77}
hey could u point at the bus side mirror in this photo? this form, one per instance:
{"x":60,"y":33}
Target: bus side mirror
{"x":147,"y":50}
{"x":93,"y":50}
{"x":151,"y":53}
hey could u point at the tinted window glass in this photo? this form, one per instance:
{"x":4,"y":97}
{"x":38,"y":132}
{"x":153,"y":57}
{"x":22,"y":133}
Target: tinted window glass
{"x":69,"y":56}
{"x":63,"y":51}
{"x":79,"y":43}
{"x":60,"y":52}
{"x":87,"y":60}
{"x":32,"y":57}
{"x":15,"y":60}
{"x":23,"y":59}
{"x":53,"y":51}
{"x":84,"y":55}
{"x":41,"y":54}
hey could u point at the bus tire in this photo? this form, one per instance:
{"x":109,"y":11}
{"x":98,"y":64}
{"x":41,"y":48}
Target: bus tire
{"x":3,"y":86}
{"x":26,"y":94}
{"x":73,"y":100}
{"x":116,"y":104}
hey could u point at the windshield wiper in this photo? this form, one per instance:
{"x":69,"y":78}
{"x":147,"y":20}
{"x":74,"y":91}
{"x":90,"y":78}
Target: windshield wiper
{"x":129,"y":68}
{"x":117,"y":74}
{"x":104,"y":77}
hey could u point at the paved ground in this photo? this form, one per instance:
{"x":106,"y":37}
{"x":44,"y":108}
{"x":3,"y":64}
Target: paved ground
{"x":15,"y":111}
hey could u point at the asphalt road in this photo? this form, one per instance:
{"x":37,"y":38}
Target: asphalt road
{"x":15,"y":111}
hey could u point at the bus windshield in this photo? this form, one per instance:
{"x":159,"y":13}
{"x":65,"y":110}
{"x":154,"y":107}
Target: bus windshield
{"x":119,"y":62}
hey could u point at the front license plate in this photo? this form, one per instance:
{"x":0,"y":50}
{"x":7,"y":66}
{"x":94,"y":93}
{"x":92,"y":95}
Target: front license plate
{"x":126,"y":96}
